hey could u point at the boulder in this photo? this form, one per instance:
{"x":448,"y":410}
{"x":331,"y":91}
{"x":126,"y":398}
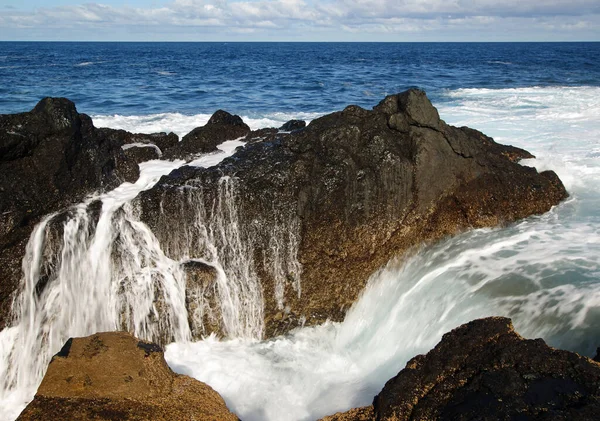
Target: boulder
{"x":162,"y":140}
{"x":485,"y":370}
{"x":50,"y":158}
{"x":322,"y":208}
{"x":221,"y":126}
{"x":114,"y":376}
{"x":293,"y":125}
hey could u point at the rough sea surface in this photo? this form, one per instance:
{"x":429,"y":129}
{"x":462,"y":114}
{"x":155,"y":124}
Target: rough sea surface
{"x":543,"y":272}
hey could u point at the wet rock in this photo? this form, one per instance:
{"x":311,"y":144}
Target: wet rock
{"x":114,"y":376}
{"x":262,"y":135}
{"x":485,"y":370}
{"x":221,"y":126}
{"x":293,"y":125}
{"x":162,"y":141}
{"x":204,"y":316}
{"x":347,"y":193}
{"x":50,"y":158}
{"x":139,"y":153}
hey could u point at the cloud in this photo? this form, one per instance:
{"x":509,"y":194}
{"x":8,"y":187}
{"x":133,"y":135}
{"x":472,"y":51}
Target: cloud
{"x":332,"y":16}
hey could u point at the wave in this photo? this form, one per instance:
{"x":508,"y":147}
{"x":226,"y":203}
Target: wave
{"x":182,"y":124}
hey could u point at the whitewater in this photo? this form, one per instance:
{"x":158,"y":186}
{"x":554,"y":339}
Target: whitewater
{"x":543,"y":272}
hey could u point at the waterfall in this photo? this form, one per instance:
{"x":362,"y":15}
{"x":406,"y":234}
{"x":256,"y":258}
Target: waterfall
{"x":97,"y":267}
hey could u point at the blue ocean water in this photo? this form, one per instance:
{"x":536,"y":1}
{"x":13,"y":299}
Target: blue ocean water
{"x":256,"y":78}
{"x":543,"y":272}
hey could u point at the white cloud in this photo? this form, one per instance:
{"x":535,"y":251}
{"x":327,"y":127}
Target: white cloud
{"x":351,"y":16}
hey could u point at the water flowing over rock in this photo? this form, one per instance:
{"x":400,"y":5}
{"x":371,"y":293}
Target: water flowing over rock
{"x":114,"y":376}
{"x":485,"y":370}
{"x":50,"y":157}
{"x":284,"y":232}
{"x":221,"y":126}
{"x":315,"y":212}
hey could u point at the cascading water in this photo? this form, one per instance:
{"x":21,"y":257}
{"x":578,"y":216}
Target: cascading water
{"x":104,"y":270}
{"x":543,"y":272}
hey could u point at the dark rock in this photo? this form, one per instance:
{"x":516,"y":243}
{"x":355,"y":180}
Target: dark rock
{"x":200,"y":288}
{"x":141,"y":154}
{"x":484,"y":370}
{"x":221,"y":126}
{"x":50,"y":158}
{"x":161,"y":140}
{"x":597,"y":357}
{"x":262,"y":135}
{"x":355,"y":188}
{"x":114,"y":376}
{"x":293,"y":125}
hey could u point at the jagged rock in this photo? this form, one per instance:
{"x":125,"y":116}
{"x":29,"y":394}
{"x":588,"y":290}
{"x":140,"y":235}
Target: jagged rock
{"x":50,"y":157}
{"x":140,"y":153}
{"x":114,"y":376}
{"x":204,"y":316}
{"x":162,"y":140}
{"x":357,"y":414}
{"x":484,"y":370}
{"x":221,"y":126}
{"x":262,"y":135}
{"x":347,"y":193}
{"x":293,"y":125}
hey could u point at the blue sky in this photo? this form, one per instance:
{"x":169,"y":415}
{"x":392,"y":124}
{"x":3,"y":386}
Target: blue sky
{"x":300,"y":20}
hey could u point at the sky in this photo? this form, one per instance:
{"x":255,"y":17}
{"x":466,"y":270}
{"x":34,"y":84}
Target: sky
{"x":300,"y":20}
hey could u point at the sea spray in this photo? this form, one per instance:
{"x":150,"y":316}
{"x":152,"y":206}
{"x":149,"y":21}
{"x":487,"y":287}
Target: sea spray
{"x":97,"y":267}
{"x":519,"y":271}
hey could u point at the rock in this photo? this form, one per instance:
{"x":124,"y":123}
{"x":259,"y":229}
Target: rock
{"x":293,"y":125}
{"x":357,"y":414}
{"x":485,"y":370}
{"x":204,"y":316}
{"x":597,"y":357}
{"x":262,"y":135}
{"x":139,"y":153}
{"x":221,"y":126}
{"x":114,"y":376}
{"x":162,"y":141}
{"x":337,"y":200}
{"x":50,"y":158}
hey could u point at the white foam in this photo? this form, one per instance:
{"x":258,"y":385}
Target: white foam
{"x":182,"y":124}
{"x":542,"y":272}
{"x":88,"y":291}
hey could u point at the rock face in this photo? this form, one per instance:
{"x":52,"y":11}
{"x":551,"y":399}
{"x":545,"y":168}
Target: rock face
{"x":50,"y":157}
{"x":114,"y":376}
{"x":485,"y":370}
{"x":221,"y":126}
{"x":338,"y":199}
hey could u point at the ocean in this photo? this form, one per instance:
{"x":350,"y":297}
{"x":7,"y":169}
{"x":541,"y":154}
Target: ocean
{"x":543,"y":272}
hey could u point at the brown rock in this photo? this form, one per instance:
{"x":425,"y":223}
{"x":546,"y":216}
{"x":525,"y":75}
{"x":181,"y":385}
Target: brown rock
{"x":357,"y":414}
{"x":114,"y":376}
{"x":357,"y":187}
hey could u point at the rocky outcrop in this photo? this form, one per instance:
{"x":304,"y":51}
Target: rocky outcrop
{"x":50,"y":157}
{"x":221,"y":126}
{"x":114,"y":376}
{"x":336,"y":200}
{"x":293,"y":125}
{"x":162,"y":141}
{"x":485,"y":370}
